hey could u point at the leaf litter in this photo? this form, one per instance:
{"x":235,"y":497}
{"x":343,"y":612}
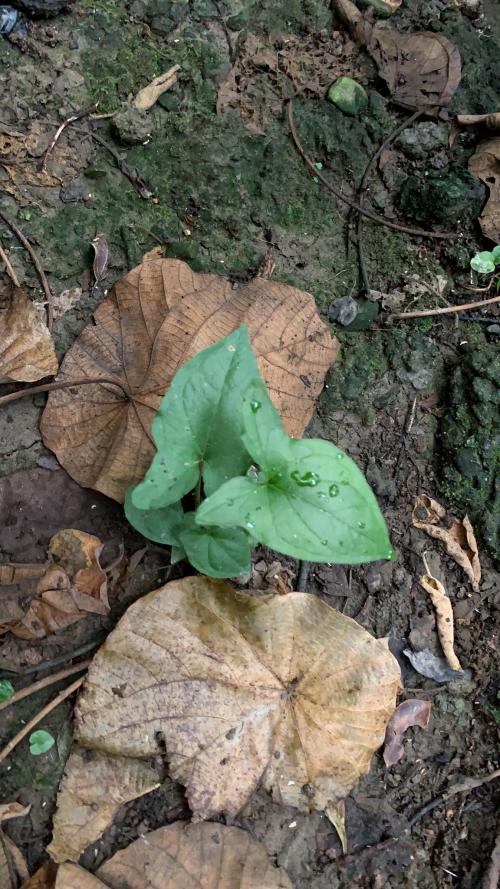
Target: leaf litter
{"x":409,"y":713}
{"x":485,"y":164}
{"x":159,"y":316}
{"x":459,"y":539}
{"x":444,"y":617}
{"x":246,"y":691}
{"x":27,"y":350}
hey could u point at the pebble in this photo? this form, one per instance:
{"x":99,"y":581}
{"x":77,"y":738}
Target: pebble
{"x":373,"y":579}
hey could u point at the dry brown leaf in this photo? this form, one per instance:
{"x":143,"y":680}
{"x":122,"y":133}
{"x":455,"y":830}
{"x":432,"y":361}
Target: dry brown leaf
{"x":485,"y":164}
{"x":93,"y":788}
{"x":489,"y":122}
{"x":444,"y":617}
{"x":16,"y":863}
{"x":157,"y":252}
{"x":12,"y":810}
{"x":410,"y":712}
{"x":8,"y":878}
{"x":275,"y":690}
{"x":422,"y":70}
{"x":459,"y":540}
{"x":71,"y":876}
{"x":158,"y":317}
{"x":101,"y":256}
{"x":43,"y":878}
{"x":146,"y":98}
{"x":335,"y":812}
{"x":65,"y":301}
{"x":26,"y":348}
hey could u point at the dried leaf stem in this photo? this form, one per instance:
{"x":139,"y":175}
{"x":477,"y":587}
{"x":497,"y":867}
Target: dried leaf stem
{"x":60,"y":130}
{"x":423,"y":313}
{"x":36,"y":262}
{"x":369,"y":215}
{"x":43,"y":683}
{"x":65,"y":693}
{"x":10,"y":271}
{"x":63,"y":384}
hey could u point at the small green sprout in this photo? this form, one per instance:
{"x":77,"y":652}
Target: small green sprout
{"x":6,"y":690}
{"x":486,"y":261}
{"x":40,"y":742}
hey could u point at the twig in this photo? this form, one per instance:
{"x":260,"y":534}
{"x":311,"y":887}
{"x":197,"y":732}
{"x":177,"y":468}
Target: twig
{"x":55,"y":661}
{"x":302,"y":576}
{"x":60,"y":130}
{"x":362,"y":188}
{"x":36,"y":262}
{"x":64,"y":384}
{"x":42,"y":683}
{"x":65,"y":693}
{"x":369,"y":215}
{"x":10,"y":271}
{"x":423,"y":313}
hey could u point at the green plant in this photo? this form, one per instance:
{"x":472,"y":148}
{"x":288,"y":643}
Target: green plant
{"x":40,"y":742}
{"x":486,"y":261}
{"x":6,"y":690}
{"x":219,"y":435}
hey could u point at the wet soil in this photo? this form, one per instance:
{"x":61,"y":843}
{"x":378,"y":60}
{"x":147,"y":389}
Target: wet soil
{"x":414,"y":403}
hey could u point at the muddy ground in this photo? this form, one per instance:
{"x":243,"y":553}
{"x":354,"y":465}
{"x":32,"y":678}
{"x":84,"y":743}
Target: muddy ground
{"x":230,"y":188}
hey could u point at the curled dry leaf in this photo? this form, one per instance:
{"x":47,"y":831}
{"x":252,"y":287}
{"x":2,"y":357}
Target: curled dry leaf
{"x":184,"y":856}
{"x":101,"y":257}
{"x":158,"y":317}
{"x":459,"y":539}
{"x":146,"y":98}
{"x":274,"y":690}
{"x":12,"y":810}
{"x":433,"y":666}
{"x":26,"y":348}
{"x":422,"y":70}
{"x":410,"y":712}
{"x":444,"y":617}
{"x":485,"y":164}
{"x":489,"y":122}
{"x":93,"y":788}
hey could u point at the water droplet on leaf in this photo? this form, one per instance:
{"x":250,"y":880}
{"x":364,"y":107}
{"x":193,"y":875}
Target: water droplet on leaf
{"x":255,"y":406}
{"x":321,"y":495}
{"x":306,"y":480}
{"x":333,"y":490}
{"x":361,"y":525}
{"x":324,"y":542}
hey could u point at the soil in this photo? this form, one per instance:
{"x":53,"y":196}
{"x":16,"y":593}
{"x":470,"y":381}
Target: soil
{"x":415,"y":403}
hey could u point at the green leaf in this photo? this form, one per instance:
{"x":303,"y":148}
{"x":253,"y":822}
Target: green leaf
{"x":177,"y":554}
{"x":310,"y":501}
{"x":495,"y":253}
{"x":216,"y":552}
{"x":40,"y":742}
{"x":6,"y":690}
{"x":483,"y":262}
{"x":155,"y":524}
{"x":196,"y":428}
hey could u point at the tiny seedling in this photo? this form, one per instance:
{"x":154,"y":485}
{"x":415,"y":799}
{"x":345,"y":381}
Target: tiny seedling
{"x":6,"y":690}
{"x":486,"y":261}
{"x":40,"y":742}
{"x":219,"y":437}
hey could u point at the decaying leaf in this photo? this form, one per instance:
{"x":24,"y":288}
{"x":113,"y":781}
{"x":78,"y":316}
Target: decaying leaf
{"x":12,"y":810}
{"x":43,"y":878}
{"x":410,"y":712}
{"x":444,"y":617}
{"x":433,"y":666}
{"x":13,"y":868}
{"x":485,"y":163}
{"x":183,"y":856}
{"x":66,"y":300}
{"x":274,"y":690}
{"x":160,"y":315}
{"x":146,"y":98}
{"x":101,"y":257}
{"x":489,"y":122}
{"x":459,"y":540}
{"x":26,"y":348}
{"x":335,"y":812}
{"x":422,"y":70}
{"x":93,"y":788}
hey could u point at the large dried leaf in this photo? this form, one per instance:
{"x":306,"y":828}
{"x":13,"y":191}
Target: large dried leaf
{"x":184,"y":856}
{"x":159,"y":316}
{"x":422,"y":70}
{"x":26,"y":349}
{"x":281,"y":691}
{"x":485,"y":163}
{"x":93,"y":788}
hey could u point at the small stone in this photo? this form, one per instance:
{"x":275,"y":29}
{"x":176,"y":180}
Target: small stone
{"x":348,"y":95}
{"x":132,"y":126}
{"x":373,"y":579}
{"x":343,"y":310}
{"x":419,"y":140}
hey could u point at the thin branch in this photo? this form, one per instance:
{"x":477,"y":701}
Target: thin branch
{"x":43,"y":683}
{"x":10,"y":271}
{"x":369,"y":215}
{"x":36,"y":262}
{"x":61,"y":128}
{"x":55,"y":661}
{"x":424,"y":313}
{"x":64,"y":384}
{"x":65,"y":693}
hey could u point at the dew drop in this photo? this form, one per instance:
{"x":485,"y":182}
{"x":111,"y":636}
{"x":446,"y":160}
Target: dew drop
{"x":255,"y":406}
{"x":340,"y":456}
{"x":306,"y":480}
{"x":361,"y":525}
{"x":321,"y":495}
{"x":324,"y":542}
{"x":390,"y":554}
{"x":250,"y":525}
{"x":333,"y":490}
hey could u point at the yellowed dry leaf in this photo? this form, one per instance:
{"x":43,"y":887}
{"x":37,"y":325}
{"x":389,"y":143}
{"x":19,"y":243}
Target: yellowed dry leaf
{"x":444,"y":617}
{"x":12,"y":810}
{"x":146,"y":98}
{"x":157,"y":252}
{"x":275,"y":690}
{"x":26,"y":348}
{"x":458,"y":539}
{"x":93,"y":788}
{"x":485,"y":163}
{"x":158,"y":317}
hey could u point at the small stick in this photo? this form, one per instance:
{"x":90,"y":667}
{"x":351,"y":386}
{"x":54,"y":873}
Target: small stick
{"x":423,"y":313}
{"x":373,"y":216}
{"x":65,"y":693}
{"x":302,"y":576}
{"x":36,"y":262}
{"x":10,"y":271}
{"x":42,"y":683}
{"x":65,"y":384}
{"x":61,"y":128}
{"x":55,"y":661}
